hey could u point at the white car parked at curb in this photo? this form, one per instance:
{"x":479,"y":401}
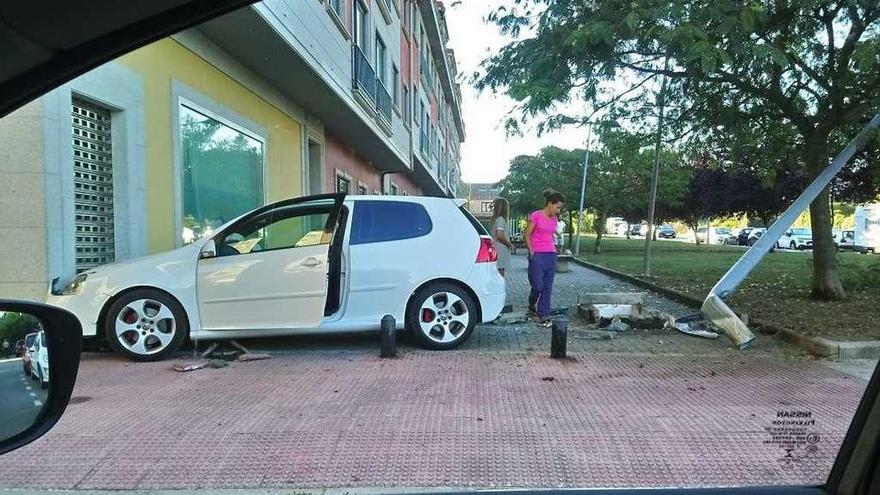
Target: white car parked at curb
{"x":40,"y":360}
{"x":796,"y":238}
{"x":316,"y":264}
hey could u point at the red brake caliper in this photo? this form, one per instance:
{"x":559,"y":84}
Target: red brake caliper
{"x":427,"y":315}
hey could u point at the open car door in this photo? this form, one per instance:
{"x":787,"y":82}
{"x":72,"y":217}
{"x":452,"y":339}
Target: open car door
{"x":269,"y":269}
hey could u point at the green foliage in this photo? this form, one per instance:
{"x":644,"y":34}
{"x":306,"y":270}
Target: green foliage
{"x":14,"y":326}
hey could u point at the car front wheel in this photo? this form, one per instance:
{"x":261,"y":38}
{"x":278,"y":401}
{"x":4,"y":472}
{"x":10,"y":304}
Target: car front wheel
{"x":441,"y":316}
{"x":146,"y":325}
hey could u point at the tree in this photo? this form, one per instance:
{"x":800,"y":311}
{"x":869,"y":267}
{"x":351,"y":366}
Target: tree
{"x":808,"y":66}
{"x":529,"y":176}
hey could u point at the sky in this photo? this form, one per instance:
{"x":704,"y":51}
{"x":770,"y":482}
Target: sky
{"x":487,"y":151}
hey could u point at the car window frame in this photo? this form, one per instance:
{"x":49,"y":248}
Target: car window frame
{"x":352,"y":240}
{"x":335,"y":209}
{"x":317,"y":211}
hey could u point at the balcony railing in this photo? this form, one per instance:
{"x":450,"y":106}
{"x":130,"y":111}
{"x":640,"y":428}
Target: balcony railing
{"x":383,"y":101}
{"x":363,"y":75}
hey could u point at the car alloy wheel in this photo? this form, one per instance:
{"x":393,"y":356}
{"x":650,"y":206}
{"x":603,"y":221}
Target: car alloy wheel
{"x":145,"y":327}
{"x":444,"y":317}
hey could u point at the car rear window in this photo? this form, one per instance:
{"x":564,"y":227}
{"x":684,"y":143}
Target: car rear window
{"x":383,"y":221}
{"x":476,"y":223}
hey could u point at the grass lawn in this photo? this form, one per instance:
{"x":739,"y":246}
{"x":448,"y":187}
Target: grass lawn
{"x":777,"y":292}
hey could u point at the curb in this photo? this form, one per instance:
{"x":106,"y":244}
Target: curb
{"x":818,"y":346}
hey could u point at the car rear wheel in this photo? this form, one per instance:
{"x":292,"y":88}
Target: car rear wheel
{"x":441,"y":316}
{"x":146,"y":325}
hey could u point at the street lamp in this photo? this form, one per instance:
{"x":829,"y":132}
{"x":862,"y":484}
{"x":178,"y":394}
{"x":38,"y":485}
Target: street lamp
{"x":577,"y":240}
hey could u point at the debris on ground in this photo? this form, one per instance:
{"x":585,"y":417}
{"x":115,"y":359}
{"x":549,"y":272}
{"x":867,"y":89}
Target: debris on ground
{"x":622,"y":311}
{"x":616,"y":325}
{"x":697,"y":329}
{"x":186,"y":367}
{"x":253,"y":356}
{"x":217,"y":363}
{"x":511,"y":319}
{"x":547,"y":379}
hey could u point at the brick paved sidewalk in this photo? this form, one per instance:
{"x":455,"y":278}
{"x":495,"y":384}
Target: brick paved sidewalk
{"x":312,"y":419}
{"x":649,"y":408}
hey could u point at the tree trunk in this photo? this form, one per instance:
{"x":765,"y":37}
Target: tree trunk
{"x":694,"y":227}
{"x":600,"y":223}
{"x":826,"y":275}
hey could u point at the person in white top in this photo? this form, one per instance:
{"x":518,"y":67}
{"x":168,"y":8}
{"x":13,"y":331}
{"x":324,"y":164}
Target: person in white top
{"x":560,"y":235}
{"x":500,"y":227}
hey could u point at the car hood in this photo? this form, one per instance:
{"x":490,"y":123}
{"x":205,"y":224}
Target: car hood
{"x":187,"y":252}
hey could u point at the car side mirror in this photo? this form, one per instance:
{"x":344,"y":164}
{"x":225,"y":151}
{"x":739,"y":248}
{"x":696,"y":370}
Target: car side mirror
{"x":209,"y":250}
{"x":28,"y":415}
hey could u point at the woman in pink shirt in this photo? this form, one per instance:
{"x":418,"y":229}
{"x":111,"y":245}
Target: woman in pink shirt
{"x":542,"y":254}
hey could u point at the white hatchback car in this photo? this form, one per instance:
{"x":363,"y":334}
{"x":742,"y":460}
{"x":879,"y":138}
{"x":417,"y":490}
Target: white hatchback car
{"x":316,"y":264}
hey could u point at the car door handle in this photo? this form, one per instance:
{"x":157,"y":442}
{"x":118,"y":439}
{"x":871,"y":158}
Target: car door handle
{"x":311,"y":261}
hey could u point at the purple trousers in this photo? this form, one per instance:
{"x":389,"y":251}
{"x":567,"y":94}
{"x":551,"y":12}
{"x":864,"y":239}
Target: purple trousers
{"x":542,"y":269}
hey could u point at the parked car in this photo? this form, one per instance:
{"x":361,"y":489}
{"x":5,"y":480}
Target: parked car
{"x":27,"y":355}
{"x":717,"y":235}
{"x":756,"y":234}
{"x":39,"y":362}
{"x":638,"y":229}
{"x":844,"y":239}
{"x":666,"y":232}
{"x":254,"y":278}
{"x":797,"y":238}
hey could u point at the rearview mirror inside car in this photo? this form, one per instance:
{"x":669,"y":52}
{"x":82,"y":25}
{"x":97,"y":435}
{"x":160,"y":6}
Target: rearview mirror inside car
{"x":39,"y":359}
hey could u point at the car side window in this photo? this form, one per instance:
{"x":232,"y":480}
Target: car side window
{"x":382,"y":221}
{"x":285,"y":227}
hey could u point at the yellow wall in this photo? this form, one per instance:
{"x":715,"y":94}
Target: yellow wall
{"x":166,"y":60}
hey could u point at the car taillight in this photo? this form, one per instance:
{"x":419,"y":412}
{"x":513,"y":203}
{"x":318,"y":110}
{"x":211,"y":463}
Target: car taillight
{"x":487,"y":253}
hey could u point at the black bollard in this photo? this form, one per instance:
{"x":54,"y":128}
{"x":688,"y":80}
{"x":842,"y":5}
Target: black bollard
{"x":388,"y":334}
{"x":559,"y":338}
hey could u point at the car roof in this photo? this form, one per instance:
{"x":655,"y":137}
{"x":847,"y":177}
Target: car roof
{"x":409,"y":199}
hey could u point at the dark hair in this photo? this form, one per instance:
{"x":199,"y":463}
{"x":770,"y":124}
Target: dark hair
{"x":552,"y":196}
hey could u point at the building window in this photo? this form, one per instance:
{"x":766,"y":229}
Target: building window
{"x":343,"y":184}
{"x":406,"y":118}
{"x":222,"y":172}
{"x":338,"y":7}
{"x":395,"y":85}
{"x":486,"y":207}
{"x":381,"y":57}
{"x":361,"y":25}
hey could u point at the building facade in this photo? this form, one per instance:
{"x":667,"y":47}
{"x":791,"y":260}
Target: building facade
{"x":281,"y":99}
{"x":479,"y":200}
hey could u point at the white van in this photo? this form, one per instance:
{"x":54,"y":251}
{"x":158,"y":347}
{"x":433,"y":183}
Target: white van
{"x":867,"y":231}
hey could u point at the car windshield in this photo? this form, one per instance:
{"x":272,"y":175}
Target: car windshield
{"x":361,"y":246}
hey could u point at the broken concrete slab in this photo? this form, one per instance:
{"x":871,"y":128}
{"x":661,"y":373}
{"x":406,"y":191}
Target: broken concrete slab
{"x":639,"y":298}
